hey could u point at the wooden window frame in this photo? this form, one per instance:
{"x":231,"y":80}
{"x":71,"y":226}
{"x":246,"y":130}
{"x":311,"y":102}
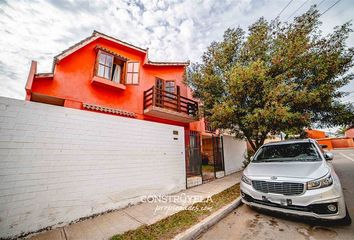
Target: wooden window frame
{"x":98,"y":63}
{"x":164,"y":92}
{"x":174,"y":86}
{"x":124,"y":67}
{"x":164,"y":83}
{"x":126,"y":72}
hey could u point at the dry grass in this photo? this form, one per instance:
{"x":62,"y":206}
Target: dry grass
{"x":169,"y":227}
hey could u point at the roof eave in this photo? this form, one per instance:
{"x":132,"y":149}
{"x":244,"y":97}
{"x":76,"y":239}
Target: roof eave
{"x":95,"y":35}
{"x":151,"y":63}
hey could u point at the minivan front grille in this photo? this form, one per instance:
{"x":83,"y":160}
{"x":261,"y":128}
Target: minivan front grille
{"x":285,"y":188}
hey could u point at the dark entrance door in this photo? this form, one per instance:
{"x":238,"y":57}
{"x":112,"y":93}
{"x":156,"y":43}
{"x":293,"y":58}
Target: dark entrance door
{"x":193,"y":153}
{"x":218,"y":153}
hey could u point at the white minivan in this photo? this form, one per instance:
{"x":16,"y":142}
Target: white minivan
{"x":294,"y":177}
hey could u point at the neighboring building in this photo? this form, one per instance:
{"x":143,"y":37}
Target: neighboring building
{"x":349,"y":133}
{"x":315,"y":134}
{"x":332,"y":142}
{"x":107,"y":75}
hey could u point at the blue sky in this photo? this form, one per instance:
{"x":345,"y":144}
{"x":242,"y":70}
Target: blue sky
{"x":172,"y":30}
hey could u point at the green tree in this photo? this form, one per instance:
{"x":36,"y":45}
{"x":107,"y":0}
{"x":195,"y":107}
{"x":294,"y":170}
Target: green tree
{"x":341,"y":130}
{"x":278,"y":77}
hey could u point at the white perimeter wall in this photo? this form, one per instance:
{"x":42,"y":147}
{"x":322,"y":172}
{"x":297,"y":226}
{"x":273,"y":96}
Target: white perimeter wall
{"x":234,"y":150}
{"x":59,"y":164}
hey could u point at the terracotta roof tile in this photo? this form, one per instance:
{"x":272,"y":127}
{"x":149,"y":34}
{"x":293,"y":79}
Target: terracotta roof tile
{"x":115,"y":111}
{"x":111,"y":52}
{"x":167,"y":63}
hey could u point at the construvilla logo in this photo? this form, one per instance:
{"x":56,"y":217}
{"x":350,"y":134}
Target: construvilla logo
{"x":176,"y":203}
{"x":177,"y":199}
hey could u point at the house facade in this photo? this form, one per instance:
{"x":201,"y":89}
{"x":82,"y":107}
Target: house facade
{"x":107,"y":75}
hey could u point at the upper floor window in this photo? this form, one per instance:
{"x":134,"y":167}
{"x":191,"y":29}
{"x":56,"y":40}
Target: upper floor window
{"x":132,"y":73}
{"x":113,"y":68}
{"x":104,"y":68}
{"x":170,"y":86}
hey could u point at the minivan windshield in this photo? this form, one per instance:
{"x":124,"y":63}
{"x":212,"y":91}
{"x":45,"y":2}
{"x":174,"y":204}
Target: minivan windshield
{"x":303,"y":151}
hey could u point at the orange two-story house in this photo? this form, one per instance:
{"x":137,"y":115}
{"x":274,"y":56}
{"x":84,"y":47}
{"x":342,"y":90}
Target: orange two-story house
{"x":104,"y":74}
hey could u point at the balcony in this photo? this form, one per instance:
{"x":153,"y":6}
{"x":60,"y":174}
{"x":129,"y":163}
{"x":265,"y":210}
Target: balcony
{"x":172,"y":106}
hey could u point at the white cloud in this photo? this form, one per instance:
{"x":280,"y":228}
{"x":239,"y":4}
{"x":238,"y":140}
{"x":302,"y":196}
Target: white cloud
{"x":173,"y":30}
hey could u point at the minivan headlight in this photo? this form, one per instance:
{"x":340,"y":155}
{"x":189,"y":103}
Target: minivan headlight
{"x":320,"y":183}
{"x":246,"y":180}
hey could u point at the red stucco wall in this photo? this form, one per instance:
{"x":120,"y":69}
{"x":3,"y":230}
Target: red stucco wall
{"x":342,"y":142}
{"x":73,"y":76}
{"x":315,"y":134}
{"x":326,"y":141}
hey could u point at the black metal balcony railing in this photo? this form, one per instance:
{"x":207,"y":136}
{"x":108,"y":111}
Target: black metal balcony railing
{"x":173,"y":101}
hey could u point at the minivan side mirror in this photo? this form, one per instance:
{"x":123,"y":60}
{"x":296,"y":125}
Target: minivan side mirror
{"x":328,"y":156}
{"x":323,"y":145}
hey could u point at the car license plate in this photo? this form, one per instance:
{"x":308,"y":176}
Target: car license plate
{"x":281,"y":201}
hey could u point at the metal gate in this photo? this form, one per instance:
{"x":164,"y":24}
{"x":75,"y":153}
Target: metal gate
{"x":218,"y":152}
{"x":193,"y":153}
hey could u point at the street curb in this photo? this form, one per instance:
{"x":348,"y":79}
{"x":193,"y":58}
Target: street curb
{"x":199,"y":228}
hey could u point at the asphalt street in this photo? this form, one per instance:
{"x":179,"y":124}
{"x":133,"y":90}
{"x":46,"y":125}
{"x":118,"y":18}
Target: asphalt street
{"x":246,"y":223}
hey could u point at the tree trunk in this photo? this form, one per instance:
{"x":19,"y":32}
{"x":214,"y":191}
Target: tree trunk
{"x":253,"y":146}
{"x":261,"y":141}
{"x":258,"y":142}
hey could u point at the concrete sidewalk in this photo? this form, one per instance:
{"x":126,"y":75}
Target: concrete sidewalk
{"x":116,"y":222}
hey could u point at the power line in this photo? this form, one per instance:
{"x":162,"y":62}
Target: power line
{"x":348,"y":97}
{"x":321,"y":3}
{"x":287,"y":5}
{"x":297,"y":9}
{"x":330,"y":7}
